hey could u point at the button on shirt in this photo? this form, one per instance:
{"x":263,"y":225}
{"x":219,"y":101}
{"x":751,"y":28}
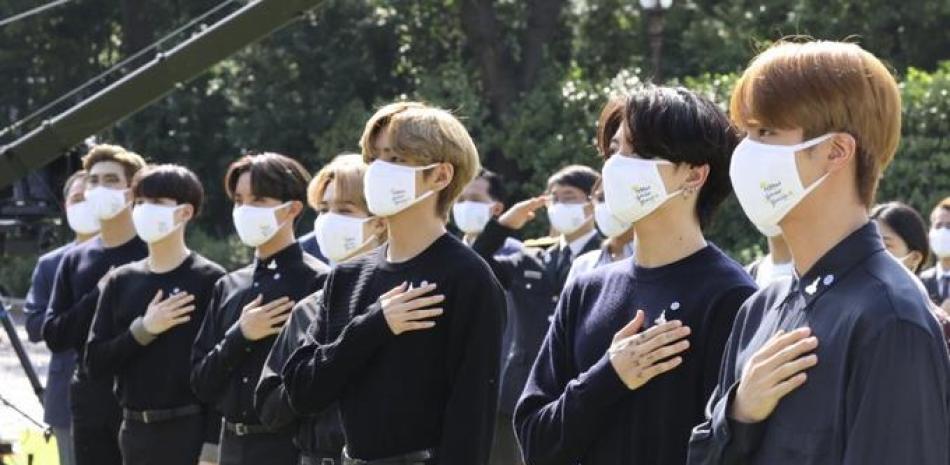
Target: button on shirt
{"x":880,"y":393}
{"x":225,"y":365}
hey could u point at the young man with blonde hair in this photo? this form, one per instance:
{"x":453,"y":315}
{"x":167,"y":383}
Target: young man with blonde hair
{"x":842,"y":363}
{"x":407,"y":337}
{"x":95,"y":413}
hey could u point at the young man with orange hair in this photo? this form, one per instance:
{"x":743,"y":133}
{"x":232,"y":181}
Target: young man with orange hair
{"x":407,"y":337}
{"x":842,"y":363}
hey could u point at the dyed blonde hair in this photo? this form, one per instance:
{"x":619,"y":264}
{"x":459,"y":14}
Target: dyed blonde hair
{"x":425,"y":135}
{"x":347,"y":170}
{"x":821,"y":87}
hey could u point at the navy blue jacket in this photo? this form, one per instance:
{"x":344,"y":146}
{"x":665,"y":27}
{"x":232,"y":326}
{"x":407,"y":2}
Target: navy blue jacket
{"x":61,"y":364}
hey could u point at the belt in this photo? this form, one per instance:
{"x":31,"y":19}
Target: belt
{"x":421,"y":457}
{"x":319,"y":459}
{"x":244,"y":429}
{"x":155,"y":416}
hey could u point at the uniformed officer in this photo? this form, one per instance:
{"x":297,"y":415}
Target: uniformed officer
{"x":534,"y":278}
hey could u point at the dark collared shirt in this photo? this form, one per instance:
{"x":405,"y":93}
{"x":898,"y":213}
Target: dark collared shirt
{"x":226,"y":366}
{"x":880,"y":393}
{"x":70,"y":312}
{"x":316,"y":434}
{"x":151,"y":372}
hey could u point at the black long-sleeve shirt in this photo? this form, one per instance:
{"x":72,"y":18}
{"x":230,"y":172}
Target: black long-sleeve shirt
{"x":433,"y":388}
{"x":226,"y":366}
{"x":575,"y":408}
{"x":71,"y":309}
{"x":320,"y":433}
{"x":151,"y":372}
{"x":880,"y":393}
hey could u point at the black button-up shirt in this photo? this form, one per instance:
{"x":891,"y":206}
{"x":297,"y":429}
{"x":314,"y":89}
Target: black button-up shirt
{"x":226,"y":366}
{"x":880,"y":393}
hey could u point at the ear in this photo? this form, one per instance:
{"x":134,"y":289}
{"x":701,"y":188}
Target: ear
{"x":294,"y":209}
{"x":444,"y":173}
{"x":377,"y":227}
{"x":497,"y":208}
{"x":695,"y":178}
{"x":916,"y":258}
{"x":843,"y":149}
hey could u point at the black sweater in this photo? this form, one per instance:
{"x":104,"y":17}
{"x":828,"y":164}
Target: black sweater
{"x":575,"y":408}
{"x":151,"y":372}
{"x":434,"y":388}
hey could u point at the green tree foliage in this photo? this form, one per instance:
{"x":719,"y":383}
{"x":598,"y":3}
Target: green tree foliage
{"x":528,"y":78}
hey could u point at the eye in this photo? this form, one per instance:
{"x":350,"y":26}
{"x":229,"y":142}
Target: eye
{"x":765,"y":132}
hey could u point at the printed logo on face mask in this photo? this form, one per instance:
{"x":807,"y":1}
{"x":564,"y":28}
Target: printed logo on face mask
{"x":774,"y":194}
{"x":399,"y":196}
{"x":644,"y":193}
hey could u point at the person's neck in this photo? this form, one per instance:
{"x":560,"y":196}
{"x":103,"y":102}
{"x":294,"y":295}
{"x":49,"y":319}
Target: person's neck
{"x":616,"y":245}
{"x":80,"y":238}
{"x":778,"y":250}
{"x":117,"y":230}
{"x":810,"y":237}
{"x":413,"y":230}
{"x":944,"y":263}
{"x":280,"y":241}
{"x":583,"y":231}
{"x":469,"y":238}
{"x":667,"y":238}
{"x":169,"y":253}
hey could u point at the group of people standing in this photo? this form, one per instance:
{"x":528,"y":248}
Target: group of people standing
{"x":625,"y":337}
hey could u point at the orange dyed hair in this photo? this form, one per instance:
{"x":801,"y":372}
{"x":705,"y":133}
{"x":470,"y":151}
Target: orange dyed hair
{"x":822,"y":87}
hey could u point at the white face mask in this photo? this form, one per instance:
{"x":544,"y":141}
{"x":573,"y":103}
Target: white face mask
{"x":766,"y":180}
{"x":340,"y":236}
{"x":82,"y":218}
{"x":940,"y":242}
{"x":607,"y":223}
{"x":471,"y":217}
{"x":256,"y":225}
{"x":567,"y":218}
{"x":107,"y":203}
{"x":154,"y":222}
{"x":390,"y":188}
{"x":633,"y":187}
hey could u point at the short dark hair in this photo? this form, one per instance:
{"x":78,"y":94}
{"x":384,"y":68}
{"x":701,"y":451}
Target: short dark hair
{"x":681,"y":126}
{"x":272,"y":175}
{"x":72,"y":179}
{"x":496,"y":185}
{"x":906,"y":223}
{"x":579,"y":176}
{"x":169,"y":181}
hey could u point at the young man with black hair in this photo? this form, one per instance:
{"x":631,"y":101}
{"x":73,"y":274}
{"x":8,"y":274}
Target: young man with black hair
{"x":634,"y":349}
{"x":407,"y":337}
{"x":85,"y":226}
{"x":250,"y":306}
{"x":96,"y":415}
{"x":534,"y":278}
{"x":844,"y":363}
{"x":146,"y":320}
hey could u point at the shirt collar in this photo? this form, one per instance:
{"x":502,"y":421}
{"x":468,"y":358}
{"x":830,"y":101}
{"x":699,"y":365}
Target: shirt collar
{"x":290,"y":254}
{"x":577,"y":245}
{"x":838,"y":261}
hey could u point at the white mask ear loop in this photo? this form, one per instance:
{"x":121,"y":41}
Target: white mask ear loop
{"x":814,"y":185}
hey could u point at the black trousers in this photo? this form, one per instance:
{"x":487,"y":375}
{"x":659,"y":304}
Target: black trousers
{"x":96,"y":442}
{"x":172,"y":442}
{"x":254,"y":449}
